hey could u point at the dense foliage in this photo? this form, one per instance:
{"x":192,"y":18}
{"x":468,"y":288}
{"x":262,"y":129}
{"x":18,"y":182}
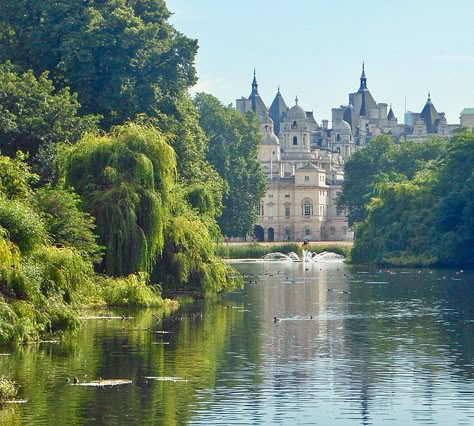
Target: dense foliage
{"x":122,"y":57}
{"x":418,"y":206}
{"x":125,"y":180}
{"x":233,"y":144}
{"x":146,"y":221}
{"x":105,"y":166}
{"x":34,"y":116}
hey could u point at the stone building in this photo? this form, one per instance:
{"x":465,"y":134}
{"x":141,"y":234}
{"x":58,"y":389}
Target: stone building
{"x":303,"y":178}
{"x":467,"y":118}
{"x":365,"y":117}
{"x":429,"y":122}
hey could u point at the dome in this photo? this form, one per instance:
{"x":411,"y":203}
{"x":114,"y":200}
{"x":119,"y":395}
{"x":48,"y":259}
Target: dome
{"x":269,"y":138}
{"x":342,"y":126}
{"x":296,"y":113}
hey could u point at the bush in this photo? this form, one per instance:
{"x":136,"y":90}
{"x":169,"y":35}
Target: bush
{"x":25,"y":228}
{"x":128,"y":291}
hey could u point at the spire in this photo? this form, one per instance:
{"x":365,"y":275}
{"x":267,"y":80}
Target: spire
{"x":254,"y":82}
{"x":363,"y":79}
{"x":429,"y":98}
{"x":296,"y":100}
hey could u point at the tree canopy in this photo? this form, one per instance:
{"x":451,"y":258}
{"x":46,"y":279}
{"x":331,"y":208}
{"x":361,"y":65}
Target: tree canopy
{"x":33,"y":115}
{"x":425,"y":216}
{"x":234,"y":139}
{"x":126,"y":180}
{"x":122,"y":57}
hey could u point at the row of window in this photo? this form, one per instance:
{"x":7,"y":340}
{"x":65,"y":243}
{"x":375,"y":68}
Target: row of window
{"x":307,"y":231}
{"x":306,"y":210}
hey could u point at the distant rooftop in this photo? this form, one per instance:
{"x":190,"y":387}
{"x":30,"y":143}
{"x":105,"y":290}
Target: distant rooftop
{"x":467,"y":111}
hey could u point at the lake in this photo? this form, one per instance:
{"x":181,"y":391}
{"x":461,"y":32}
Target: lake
{"x":301,"y":344}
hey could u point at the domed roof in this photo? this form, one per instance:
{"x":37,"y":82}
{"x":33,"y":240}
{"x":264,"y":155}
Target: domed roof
{"x":269,"y":138}
{"x":296,"y":113}
{"x":342,"y":126}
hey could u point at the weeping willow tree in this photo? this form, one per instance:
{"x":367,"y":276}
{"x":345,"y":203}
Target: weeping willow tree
{"x":126,"y":181}
{"x":188,"y":260}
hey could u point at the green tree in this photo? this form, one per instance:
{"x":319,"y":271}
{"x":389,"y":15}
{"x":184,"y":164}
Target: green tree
{"x":66,"y":223}
{"x":234,"y":139}
{"x":454,"y":191}
{"x":122,"y":57}
{"x":359,"y":176}
{"x":33,"y":116}
{"x":126,"y":182}
{"x":16,"y":178}
{"x":190,"y":143}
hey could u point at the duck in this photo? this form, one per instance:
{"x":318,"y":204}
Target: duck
{"x":276,"y":319}
{"x":75,"y":380}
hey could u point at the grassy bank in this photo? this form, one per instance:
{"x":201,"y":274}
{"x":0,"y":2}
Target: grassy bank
{"x":258,"y":250}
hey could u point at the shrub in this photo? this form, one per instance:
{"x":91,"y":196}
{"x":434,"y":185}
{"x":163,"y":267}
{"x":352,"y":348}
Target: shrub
{"x":25,"y":228}
{"x":128,"y":291}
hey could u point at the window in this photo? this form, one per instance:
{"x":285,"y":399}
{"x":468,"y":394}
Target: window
{"x":338,"y":137}
{"x":332,"y":231}
{"x":259,"y":209}
{"x":306,"y":178}
{"x":287,"y":195}
{"x":287,"y":212}
{"x":270,"y":195}
{"x":295,"y":140}
{"x":307,"y":231}
{"x":307,"y":208}
{"x":344,"y":231}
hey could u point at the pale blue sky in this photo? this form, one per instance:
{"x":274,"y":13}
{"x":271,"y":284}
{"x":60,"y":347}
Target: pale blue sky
{"x":315,"y":48}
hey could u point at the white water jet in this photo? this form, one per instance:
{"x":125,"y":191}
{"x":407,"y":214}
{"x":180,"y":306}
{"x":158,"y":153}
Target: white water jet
{"x":306,"y":256}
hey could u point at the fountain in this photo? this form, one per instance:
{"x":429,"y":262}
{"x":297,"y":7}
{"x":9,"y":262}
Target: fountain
{"x":306,"y":256}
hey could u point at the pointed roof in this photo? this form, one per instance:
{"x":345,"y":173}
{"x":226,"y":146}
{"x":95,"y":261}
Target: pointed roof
{"x":430,"y":115}
{"x":368,"y":102}
{"x":258,"y":106}
{"x":391,"y":115}
{"x":278,"y":110}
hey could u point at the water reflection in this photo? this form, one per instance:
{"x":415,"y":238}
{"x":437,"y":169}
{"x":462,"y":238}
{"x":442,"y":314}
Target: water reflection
{"x":350,"y":346}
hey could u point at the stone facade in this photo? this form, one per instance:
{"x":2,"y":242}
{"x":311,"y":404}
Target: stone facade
{"x":467,"y":118}
{"x":303,"y":178}
{"x":304,"y":161}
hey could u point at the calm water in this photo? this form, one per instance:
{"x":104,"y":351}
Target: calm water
{"x":352,"y":346}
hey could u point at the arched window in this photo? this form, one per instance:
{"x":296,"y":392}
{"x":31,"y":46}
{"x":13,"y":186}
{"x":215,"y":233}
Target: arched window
{"x":295,"y":140}
{"x":307,"y":208}
{"x":338,"y":137}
